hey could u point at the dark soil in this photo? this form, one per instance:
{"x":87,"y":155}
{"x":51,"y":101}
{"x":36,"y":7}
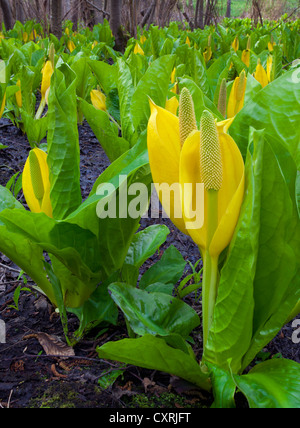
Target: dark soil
{"x":30,"y":378}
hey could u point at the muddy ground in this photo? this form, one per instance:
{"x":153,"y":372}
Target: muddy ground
{"x":29,"y":378}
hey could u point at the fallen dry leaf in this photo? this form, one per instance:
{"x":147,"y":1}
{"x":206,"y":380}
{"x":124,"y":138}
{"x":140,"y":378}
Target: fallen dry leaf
{"x":52,"y":345}
{"x":148,"y":383}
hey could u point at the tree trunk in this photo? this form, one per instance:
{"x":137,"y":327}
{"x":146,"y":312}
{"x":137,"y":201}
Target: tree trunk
{"x":228,"y":10}
{"x":7,"y":14}
{"x":256,"y":12}
{"x":199,"y":14}
{"x":115,"y":23}
{"x":75,"y":7}
{"x":20,"y":16}
{"x":56,"y":18}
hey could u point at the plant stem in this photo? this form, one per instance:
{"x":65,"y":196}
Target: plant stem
{"x":209,"y":292}
{"x":114,"y":121}
{"x":210,"y":265}
{"x":40,"y":109}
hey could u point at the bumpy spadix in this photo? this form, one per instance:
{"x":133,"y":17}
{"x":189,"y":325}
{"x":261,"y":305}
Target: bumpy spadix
{"x":210,"y":153}
{"x":187,"y":119}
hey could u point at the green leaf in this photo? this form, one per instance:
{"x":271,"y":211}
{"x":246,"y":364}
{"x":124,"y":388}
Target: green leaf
{"x":63,"y":143}
{"x":2,"y":72}
{"x":277,"y":277}
{"x":223,"y":386}
{"x":85,"y":80}
{"x":252,"y":87}
{"x":7,"y":200}
{"x":261,"y":113}
{"x":106,"y":75}
{"x":168,"y":270}
{"x":109,"y":377}
{"x":155,"y":313}
{"x":145,"y":243}
{"x":78,"y":265}
{"x":231,"y":331}
{"x":153,"y":353}
{"x":260,"y":278}
{"x":105,"y":131}
{"x":27,"y":78}
{"x":276,"y":70}
{"x":58,"y":292}
{"x":274,"y":384}
{"x":126,"y":91}
{"x":114,"y":232}
{"x":35,"y":129}
{"x":127,"y":164}
{"x":99,"y":308}
{"x":154,"y":84}
{"x":161,"y":288}
{"x":19,"y":248}
{"x":197,"y":71}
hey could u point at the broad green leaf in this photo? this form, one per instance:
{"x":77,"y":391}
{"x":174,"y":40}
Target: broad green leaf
{"x":63,"y":143}
{"x":2,"y":72}
{"x":215,"y":70}
{"x":7,"y":200}
{"x":231,"y":332}
{"x":155,"y":41}
{"x":27,"y":78}
{"x":276,"y":108}
{"x":153,"y":353}
{"x":75,"y":248}
{"x":127,"y":164}
{"x":276,"y":70}
{"x":274,"y":384}
{"x":59,"y":296}
{"x":154,"y":84}
{"x":35,"y":129}
{"x":155,"y":313}
{"x":223,"y":387}
{"x":105,"y":131}
{"x":85,"y":80}
{"x":277,"y":277}
{"x":168,"y":270}
{"x":126,"y":91}
{"x":161,"y":288}
{"x":260,"y":278}
{"x":252,"y":87}
{"x":19,"y":248}
{"x":106,"y":75}
{"x":198,"y":72}
{"x":99,"y":308}
{"x":145,"y":243}
{"x":115,"y":230}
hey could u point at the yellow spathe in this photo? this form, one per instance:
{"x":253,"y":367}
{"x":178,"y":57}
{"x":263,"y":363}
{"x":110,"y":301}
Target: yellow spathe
{"x":171,"y":163}
{"x":237,"y":95}
{"x":98,"y":100}
{"x":261,"y":75}
{"x":36,"y":183}
{"x":46,"y":79}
